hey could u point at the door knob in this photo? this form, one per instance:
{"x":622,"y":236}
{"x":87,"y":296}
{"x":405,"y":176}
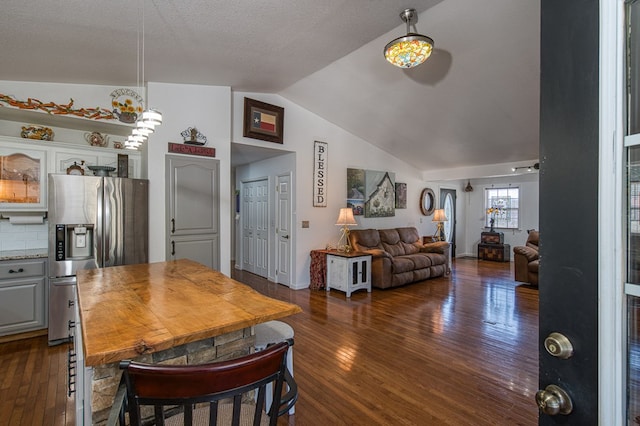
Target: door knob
{"x":554,"y":400}
{"x":558,"y":345}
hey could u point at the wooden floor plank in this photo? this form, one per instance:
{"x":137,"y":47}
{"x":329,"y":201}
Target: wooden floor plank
{"x":457,"y":350}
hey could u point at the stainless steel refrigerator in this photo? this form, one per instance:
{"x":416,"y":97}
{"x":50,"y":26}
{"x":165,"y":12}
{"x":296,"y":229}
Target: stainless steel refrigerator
{"x":94,"y":222}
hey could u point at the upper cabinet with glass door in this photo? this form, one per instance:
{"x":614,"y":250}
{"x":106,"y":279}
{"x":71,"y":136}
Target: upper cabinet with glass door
{"x":23,"y":179}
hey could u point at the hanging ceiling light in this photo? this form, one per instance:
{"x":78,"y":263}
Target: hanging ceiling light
{"x":132,"y":142}
{"x":144,"y":126}
{"x":411,"y":50}
{"x":150,"y":117}
{"x":141,"y":133}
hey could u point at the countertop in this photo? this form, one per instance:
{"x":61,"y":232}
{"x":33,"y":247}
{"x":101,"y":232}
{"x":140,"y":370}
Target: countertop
{"x":24,"y":254}
{"x":126,"y":311}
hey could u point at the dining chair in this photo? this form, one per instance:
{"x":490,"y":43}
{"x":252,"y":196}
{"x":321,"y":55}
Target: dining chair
{"x":268,"y":333}
{"x":218,"y":393}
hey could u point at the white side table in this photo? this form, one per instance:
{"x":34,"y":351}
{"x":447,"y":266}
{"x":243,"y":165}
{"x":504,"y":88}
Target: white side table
{"x":349,"y":272}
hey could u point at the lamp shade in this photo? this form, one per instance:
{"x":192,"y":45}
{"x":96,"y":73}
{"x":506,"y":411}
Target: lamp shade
{"x":410,"y":50}
{"x":439,"y":216}
{"x":151,"y":117}
{"x":345,"y":217}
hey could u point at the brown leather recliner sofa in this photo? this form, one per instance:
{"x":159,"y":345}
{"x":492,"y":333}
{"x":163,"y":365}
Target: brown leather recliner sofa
{"x":399,"y":257}
{"x":527,"y":260}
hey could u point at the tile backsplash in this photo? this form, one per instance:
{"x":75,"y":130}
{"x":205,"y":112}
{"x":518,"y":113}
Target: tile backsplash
{"x":23,"y":237}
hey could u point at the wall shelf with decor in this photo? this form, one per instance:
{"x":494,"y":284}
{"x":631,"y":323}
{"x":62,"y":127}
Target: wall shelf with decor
{"x":26,"y":116}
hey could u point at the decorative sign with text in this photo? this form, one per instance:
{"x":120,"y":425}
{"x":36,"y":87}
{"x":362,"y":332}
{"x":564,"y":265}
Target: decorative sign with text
{"x":203,"y":151}
{"x":320,"y":160}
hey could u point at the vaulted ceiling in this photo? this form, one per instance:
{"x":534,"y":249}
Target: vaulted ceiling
{"x":473,"y":103}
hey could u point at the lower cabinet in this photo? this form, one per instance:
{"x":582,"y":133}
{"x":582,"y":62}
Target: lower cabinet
{"x":495,"y":252}
{"x":200,"y":248}
{"x":23,"y":296}
{"x":349,"y":272}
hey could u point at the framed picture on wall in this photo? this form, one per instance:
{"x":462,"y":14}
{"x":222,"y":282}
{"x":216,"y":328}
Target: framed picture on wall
{"x":263,"y":121}
{"x":401,"y":195}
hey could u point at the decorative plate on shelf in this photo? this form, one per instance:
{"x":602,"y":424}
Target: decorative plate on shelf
{"x":101,"y":170}
{"x":33,"y":131}
{"x":96,"y":139}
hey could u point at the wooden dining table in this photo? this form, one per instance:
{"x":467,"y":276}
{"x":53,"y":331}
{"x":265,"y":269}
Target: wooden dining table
{"x":175,"y":311}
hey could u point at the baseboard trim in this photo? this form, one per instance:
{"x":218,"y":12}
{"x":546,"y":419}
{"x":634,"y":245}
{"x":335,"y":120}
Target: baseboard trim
{"x":22,"y":336}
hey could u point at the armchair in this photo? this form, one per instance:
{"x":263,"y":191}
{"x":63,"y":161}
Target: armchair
{"x":527,"y":260}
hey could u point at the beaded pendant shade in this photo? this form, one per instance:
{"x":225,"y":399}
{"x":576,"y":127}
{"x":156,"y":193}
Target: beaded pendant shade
{"x":410,"y":50}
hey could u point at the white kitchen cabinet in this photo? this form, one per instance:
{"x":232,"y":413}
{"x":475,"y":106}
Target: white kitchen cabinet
{"x":52,"y":157}
{"x":23,"y":296}
{"x":23,"y":177}
{"x":201,"y":248}
{"x":349,"y":272}
{"x":63,"y":158}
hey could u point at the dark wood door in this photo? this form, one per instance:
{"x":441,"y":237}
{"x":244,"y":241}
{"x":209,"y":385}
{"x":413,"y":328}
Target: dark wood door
{"x":569,"y":158}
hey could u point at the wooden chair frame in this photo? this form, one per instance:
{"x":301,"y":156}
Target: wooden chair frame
{"x":164,"y":386}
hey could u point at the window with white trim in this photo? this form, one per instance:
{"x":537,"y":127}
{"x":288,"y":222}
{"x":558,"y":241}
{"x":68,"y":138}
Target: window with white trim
{"x":503,"y":206}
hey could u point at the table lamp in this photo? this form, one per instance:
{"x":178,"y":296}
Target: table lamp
{"x":440,"y":217}
{"x":345,"y":219}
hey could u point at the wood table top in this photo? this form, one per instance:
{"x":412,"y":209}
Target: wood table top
{"x":130,"y":310}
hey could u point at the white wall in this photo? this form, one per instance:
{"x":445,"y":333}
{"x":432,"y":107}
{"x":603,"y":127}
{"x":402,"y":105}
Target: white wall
{"x":301,"y":129}
{"x":475,"y":215}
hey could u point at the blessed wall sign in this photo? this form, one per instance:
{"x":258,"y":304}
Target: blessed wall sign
{"x":320,"y":162}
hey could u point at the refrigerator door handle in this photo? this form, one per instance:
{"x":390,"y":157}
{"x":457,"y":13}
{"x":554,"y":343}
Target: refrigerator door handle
{"x":98,"y":242}
{"x":107,"y":225}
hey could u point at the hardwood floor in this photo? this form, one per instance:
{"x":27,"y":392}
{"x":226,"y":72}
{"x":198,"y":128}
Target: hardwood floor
{"x":458,"y":350}
{"x":33,"y":385}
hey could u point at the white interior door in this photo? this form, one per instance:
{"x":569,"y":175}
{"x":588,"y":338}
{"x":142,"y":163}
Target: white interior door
{"x":283,"y":230}
{"x":247,"y":212}
{"x":262,"y":228}
{"x":255,"y":226}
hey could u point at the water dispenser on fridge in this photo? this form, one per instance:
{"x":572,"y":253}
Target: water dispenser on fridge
{"x":74,"y":242}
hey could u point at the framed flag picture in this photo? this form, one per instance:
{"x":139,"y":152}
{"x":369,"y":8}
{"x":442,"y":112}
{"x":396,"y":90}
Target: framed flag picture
{"x":263,"y":121}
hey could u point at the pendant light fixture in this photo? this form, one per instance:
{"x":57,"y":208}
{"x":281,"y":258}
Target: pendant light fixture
{"x":145,"y":125}
{"x":150,"y":117}
{"x":411,"y":50}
